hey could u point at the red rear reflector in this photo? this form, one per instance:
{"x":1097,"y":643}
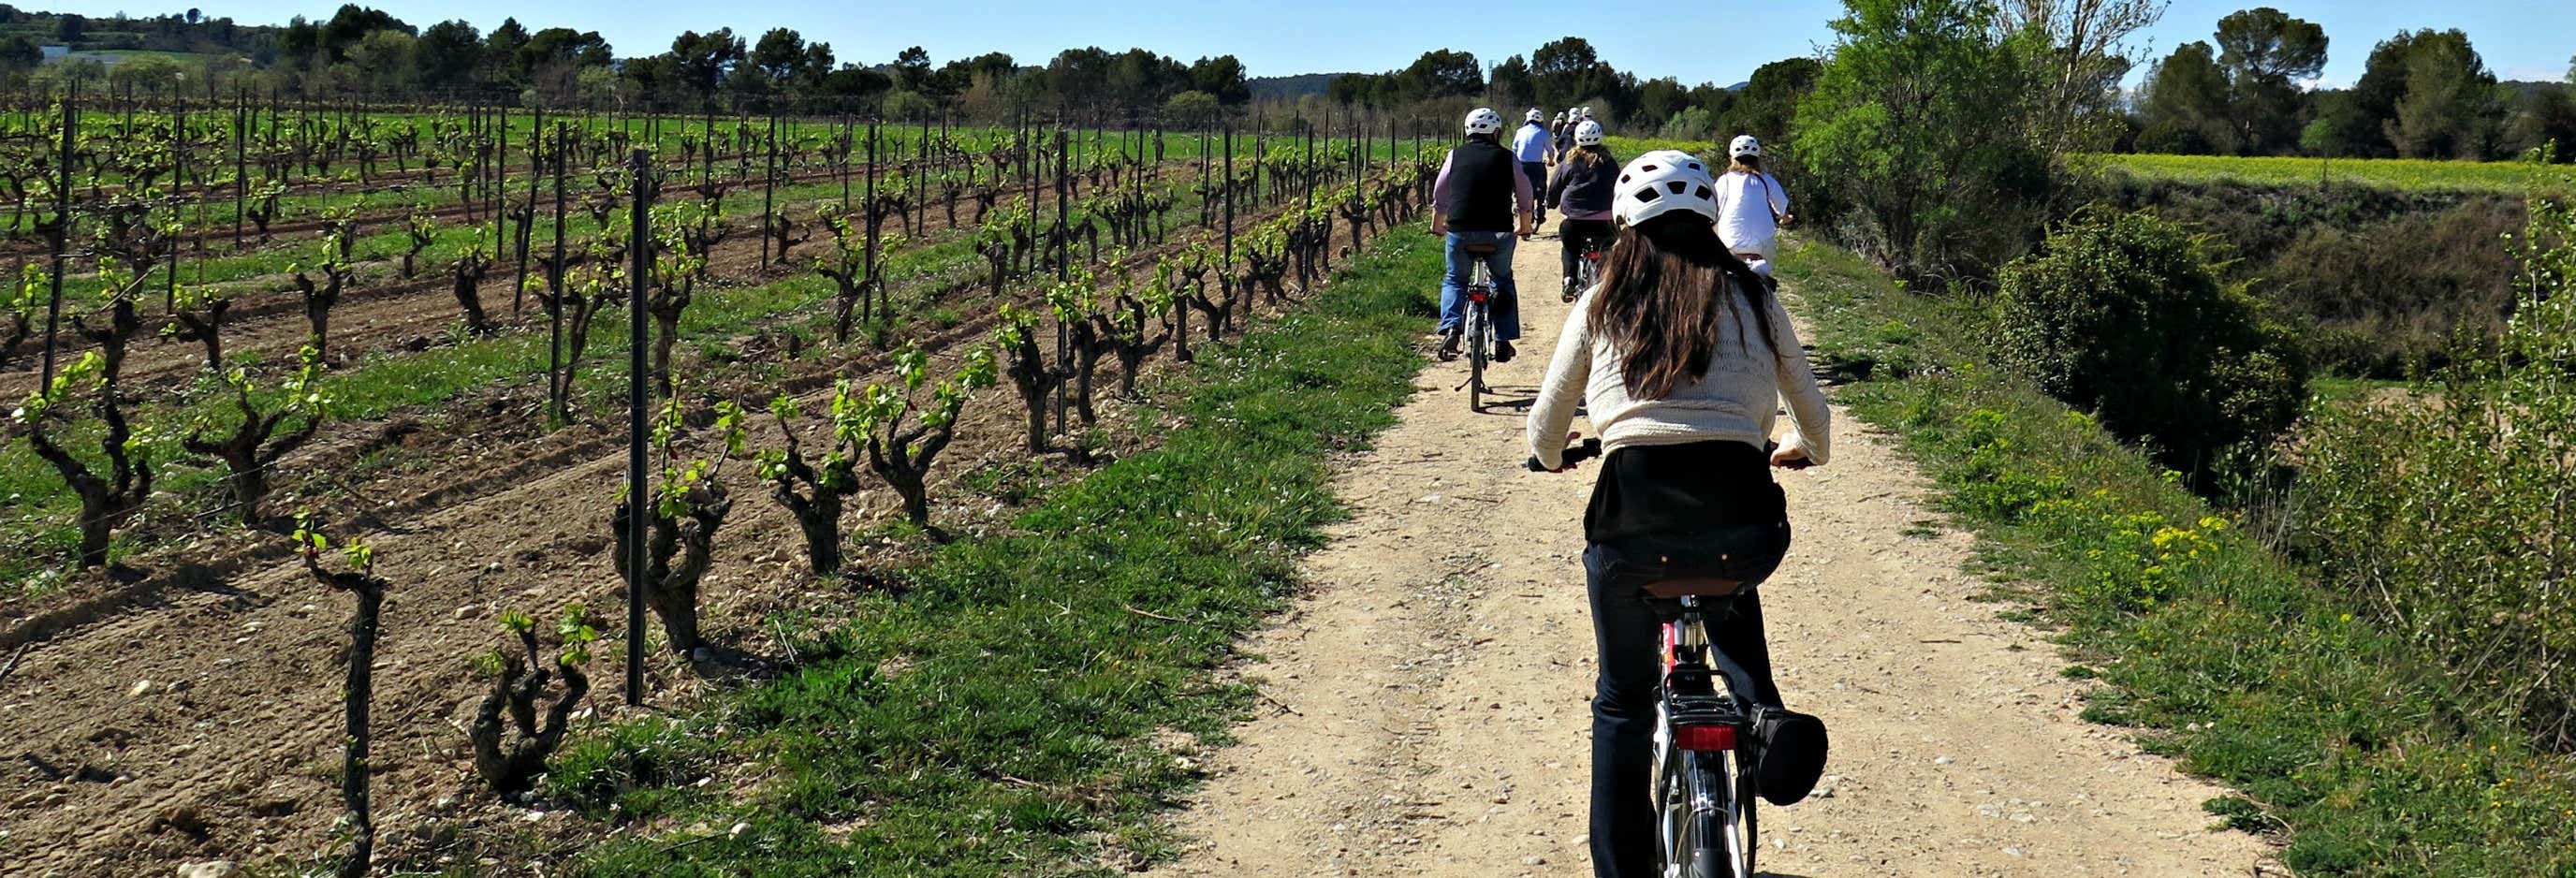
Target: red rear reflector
{"x":1701,"y":739}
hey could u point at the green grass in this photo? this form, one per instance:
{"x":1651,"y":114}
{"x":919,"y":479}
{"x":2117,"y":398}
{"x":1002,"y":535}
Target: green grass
{"x":1630,"y":147}
{"x":2403,"y":174}
{"x":999,"y":718}
{"x":2339,"y":390}
{"x":2354,"y":756}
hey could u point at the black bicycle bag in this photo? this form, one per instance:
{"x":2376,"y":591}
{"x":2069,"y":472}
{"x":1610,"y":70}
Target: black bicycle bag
{"x":1788,"y":753}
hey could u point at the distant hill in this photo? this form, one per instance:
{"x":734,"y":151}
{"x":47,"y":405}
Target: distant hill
{"x":1265,"y":88}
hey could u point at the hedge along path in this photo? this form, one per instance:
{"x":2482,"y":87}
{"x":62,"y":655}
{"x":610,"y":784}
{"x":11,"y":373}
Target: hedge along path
{"x":1425,"y":708}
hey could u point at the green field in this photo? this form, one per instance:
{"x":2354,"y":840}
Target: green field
{"x":2407,"y":174}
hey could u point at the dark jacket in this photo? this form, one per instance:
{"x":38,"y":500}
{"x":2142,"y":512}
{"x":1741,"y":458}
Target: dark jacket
{"x":1480,"y":187}
{"x":1583,"y":187}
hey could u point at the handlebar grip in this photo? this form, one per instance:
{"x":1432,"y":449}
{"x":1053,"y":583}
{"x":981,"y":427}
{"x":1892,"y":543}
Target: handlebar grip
{"x":1589,"y":448}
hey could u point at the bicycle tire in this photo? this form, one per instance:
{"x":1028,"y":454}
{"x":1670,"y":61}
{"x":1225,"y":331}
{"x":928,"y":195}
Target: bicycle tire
{"x":1744,"y":842}
{"x":1476,"y":332}
{"x":1708,"y":840}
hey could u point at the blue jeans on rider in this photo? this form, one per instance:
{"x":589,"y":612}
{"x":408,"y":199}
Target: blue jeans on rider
{"x":1506,"y":303}
{"x":1627,"y":634}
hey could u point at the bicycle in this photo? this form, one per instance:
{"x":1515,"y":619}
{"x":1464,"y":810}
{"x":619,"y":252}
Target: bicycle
{"x":1704,"y":781}
{"x":1478,"y":326}
{"x":1587,"y":271}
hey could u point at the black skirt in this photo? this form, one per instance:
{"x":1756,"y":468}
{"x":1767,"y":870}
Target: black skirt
{"x":1678,"y":490}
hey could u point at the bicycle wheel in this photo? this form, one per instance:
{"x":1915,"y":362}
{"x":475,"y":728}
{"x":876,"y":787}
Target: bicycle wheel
{"x":1476,"y":353}
{"x":1742,"y":841}
{"x":1717,"y":832}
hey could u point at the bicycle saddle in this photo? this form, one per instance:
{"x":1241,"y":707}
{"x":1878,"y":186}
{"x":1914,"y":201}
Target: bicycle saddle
{"x":1479,"y":249}
{"x":1694,"y":586}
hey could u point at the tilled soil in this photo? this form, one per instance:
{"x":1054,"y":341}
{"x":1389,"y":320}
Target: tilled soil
{"x":197,"y":716}
{"x":1425,"y":707}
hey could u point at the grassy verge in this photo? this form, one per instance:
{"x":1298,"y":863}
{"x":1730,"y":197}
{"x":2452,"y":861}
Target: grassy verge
{"x":999,"y":718}
{"x":1631,"y":147}
{"x":2424,"y":175}
{"x":2349,"y":752}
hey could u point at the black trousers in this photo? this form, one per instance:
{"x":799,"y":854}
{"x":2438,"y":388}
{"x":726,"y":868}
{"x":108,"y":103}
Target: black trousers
{"x":1572,"y":234}
{"x":1626,"y":632}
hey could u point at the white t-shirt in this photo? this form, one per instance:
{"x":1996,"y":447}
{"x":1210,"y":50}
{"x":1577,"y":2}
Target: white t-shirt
{"x":1748,"y":206}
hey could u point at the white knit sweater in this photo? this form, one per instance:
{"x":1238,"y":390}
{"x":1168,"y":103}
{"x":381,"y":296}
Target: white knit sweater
{"x":1737,"y":399}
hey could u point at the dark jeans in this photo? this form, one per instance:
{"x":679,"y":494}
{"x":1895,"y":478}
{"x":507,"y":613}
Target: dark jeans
{"x":1573,"y":233}
{"x":1537,"y":174}
{"x":1626,"y":632}
{"x":1506,"y":301}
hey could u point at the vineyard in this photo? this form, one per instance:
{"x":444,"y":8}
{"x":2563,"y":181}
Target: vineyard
{"x":273,"y":352}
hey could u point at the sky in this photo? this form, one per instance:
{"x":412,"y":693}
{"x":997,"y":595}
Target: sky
{"x":1703,"y":42}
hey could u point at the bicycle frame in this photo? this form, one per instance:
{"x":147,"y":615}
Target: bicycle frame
{"x":1479,"y":332}
{"x":1696,"y":723}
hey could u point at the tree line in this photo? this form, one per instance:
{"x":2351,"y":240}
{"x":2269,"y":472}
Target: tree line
{"x":2422,"y":94}
{"x":367,"y":53}
{"x":1569,"y":72}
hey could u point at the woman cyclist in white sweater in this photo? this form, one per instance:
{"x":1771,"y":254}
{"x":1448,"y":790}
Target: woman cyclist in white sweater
{"x":1751,"y":206}
{"x":1682,"y":356}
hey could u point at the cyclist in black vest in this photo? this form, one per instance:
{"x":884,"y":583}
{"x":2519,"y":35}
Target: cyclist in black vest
{"x":1481,"y":197}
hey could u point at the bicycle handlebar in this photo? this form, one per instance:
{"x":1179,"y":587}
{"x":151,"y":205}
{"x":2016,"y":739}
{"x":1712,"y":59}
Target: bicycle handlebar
{"x":1589,"y":448}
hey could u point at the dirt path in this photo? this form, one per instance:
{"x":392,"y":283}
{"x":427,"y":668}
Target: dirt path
{"x":1427,"y":703}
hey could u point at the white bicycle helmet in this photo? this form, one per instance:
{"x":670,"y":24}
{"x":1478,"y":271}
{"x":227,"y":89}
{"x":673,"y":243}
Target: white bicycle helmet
{"x":1534,"y":115}
{"x":1484,"y":121}
{"x":1660,"y":181}
{"x":1588,"y":133}
{"x":1560,"y":118}
{"x":1744,"y":145}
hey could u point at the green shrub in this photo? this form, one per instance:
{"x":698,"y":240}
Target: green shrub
{"x":2365,"y":756}
{"x":1922,"y":138}
{"x":2383,"y":277}
{"x":2449,"y":512}
{"x":2124,"y":315}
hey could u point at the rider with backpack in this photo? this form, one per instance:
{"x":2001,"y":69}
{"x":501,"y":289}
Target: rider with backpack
{"x":1680,"y":356}
{"x":1481,"y":198}
{"x":1751,"y":205}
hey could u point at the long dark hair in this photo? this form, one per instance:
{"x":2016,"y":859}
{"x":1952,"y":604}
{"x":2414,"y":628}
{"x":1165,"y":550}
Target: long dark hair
{"x":1663,"y":299}
{"x":1596,"y":154}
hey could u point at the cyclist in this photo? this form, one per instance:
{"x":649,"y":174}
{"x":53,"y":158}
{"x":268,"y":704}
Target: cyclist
{"x":1563,"y":134}
{"x":1751,"y":205}
{"x":1481,"y":197}
{"x":1531,"y":145}
{"x":1681,"y":355}
{"x":1582,"y":190}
